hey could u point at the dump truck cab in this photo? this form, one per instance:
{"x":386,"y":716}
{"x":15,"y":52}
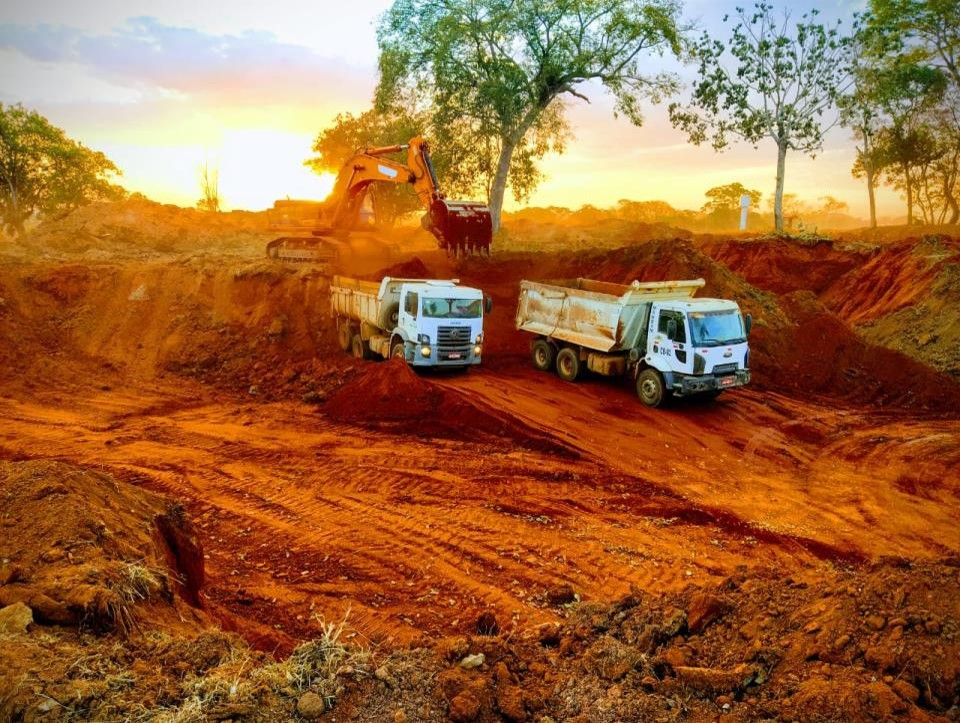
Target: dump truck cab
{"x":440,"y":324}
{"x":699,"y":345}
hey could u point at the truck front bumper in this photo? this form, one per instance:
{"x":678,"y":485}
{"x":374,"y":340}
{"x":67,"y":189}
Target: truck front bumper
{"x":684,"y":385}
{"x":442,"y":359}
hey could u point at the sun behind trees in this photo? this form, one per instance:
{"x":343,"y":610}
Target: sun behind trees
{"x":42,"y":171}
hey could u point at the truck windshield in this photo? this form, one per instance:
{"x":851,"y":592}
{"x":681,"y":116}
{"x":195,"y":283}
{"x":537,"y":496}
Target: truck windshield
{"x":452,"y":308}
{"x":716,"y":328}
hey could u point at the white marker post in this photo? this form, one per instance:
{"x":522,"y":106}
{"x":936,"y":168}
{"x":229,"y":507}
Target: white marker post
{"x":744,"y":205}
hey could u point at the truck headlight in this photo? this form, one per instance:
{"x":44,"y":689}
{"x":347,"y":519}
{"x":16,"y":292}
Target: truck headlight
{"x":425,"y":351}
{"x":477,"y":349}
{"x":423,"y":338}
{"x":480,"y":338}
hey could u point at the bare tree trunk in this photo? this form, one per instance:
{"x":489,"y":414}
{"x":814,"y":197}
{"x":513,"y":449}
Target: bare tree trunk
{"x":499,"y":187}
{"x":908,"y":183}
{"x":778,"y":198}
{"x":871,"y":193}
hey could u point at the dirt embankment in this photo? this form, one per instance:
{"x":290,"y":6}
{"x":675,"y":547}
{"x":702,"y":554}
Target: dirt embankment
{"x":907,"y":298}
{"x":900,"y":292}
{"x":82,"y":550}
{"x":251,"y":326}
{"x":784,"y":265}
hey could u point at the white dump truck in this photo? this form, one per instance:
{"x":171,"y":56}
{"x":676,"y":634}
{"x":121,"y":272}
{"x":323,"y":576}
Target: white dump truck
{"x":656,"y":333}
{"x":429,"y":323}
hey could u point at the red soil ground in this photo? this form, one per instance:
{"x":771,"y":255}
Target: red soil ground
{"x":320,"y":485}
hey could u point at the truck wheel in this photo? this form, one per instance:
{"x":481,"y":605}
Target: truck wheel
{"x":399,"y":350}
{"x":344,"y":336}
{"x":568,"y":364}
{"x":650,"y":387}
{"x":390,"y":317}
{"x":542,"y":353}
{"x":359,"y":348}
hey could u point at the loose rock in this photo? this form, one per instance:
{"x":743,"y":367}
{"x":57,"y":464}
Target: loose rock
{"x":15,"y":618}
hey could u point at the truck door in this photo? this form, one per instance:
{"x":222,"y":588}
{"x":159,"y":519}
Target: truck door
{"x":672,"y":347}
{"x":409,"y":311}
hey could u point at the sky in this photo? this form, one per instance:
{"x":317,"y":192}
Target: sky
{"x":164,"y":86}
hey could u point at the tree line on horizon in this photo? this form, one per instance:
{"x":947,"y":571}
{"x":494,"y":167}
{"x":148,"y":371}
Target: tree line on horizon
{"x":489,"y":81}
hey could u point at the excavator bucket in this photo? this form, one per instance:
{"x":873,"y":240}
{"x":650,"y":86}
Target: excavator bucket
{"x":462,"y":227}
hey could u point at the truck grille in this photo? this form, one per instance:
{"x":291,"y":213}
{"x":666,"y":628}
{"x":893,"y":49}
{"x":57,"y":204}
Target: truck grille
{"x":725,"y":368}
{"x":453,"y":340}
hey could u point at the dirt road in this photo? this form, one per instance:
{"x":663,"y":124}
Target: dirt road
{"x":418,"y":536}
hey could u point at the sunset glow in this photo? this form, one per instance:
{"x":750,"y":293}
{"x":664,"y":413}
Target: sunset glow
{"x":162,"y":88}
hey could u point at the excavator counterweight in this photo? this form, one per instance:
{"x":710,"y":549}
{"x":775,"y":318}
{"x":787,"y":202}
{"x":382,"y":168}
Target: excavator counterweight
{"x":323,"y":228}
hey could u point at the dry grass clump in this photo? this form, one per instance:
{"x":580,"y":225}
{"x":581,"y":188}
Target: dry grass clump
{"x":133,"y":583}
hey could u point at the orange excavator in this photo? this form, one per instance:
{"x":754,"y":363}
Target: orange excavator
{"x":323,"y":227}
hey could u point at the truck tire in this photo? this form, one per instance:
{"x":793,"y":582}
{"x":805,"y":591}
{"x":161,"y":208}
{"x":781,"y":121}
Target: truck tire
{"x":542,"y":353}
{"x":390,"y":316}
{"x":650,"y":388}
{"x":399,"y":349}
{"x":568,"y":364}
{"x":344,"y":336}
{"x":359,"y":348}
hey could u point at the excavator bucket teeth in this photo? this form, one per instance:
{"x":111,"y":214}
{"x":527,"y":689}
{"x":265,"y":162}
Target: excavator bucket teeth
{"x":462,"y":227}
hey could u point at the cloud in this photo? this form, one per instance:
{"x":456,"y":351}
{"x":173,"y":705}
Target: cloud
{"x":251,"y":67}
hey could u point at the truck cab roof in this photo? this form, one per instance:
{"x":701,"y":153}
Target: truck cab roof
{"x":705,"y":304}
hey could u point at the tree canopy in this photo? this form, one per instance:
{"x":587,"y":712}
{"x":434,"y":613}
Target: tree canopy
{"x":727,"y":198}
{"x":495,"y":74}
{"x":769,"y":81}
{"x":43,"y":171}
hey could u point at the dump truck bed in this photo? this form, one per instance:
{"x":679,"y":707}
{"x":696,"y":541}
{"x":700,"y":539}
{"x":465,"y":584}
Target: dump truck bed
{"x":595,"y":314}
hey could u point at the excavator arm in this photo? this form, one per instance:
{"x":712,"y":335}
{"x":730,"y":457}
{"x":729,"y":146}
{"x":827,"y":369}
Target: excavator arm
{"x":461,"y":227}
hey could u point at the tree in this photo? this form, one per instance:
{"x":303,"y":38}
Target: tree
{"x":924,"y":137}
{"x":780,"y":87}
{"x":907,"y":91}
{"x":350,"y":133}
{"x":496,"y":72}
{"x":209,"y":188}
{"x":727,"y":198}
{"x":43,"y":171}
{"x":830,"y":206}
{"x":933,"y":25}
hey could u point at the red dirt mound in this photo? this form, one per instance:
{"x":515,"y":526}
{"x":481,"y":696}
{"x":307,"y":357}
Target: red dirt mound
{"x":79,"y":548}
{"x":826,"y":357}
{"x":392,"y":395}
{"x":783,"y":265}
{"x":412,"y":269}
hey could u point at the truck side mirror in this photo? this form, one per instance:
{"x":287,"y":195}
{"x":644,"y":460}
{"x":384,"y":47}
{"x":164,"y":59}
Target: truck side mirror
{"x":671,"y":329}
{"x":487,"y":304}
{"x":748,"y":323}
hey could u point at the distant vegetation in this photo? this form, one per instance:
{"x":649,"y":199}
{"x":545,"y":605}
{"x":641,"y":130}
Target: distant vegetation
{"x":44,"y":172}
{"x":721,"y":213}
{"x":209,"y":178}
